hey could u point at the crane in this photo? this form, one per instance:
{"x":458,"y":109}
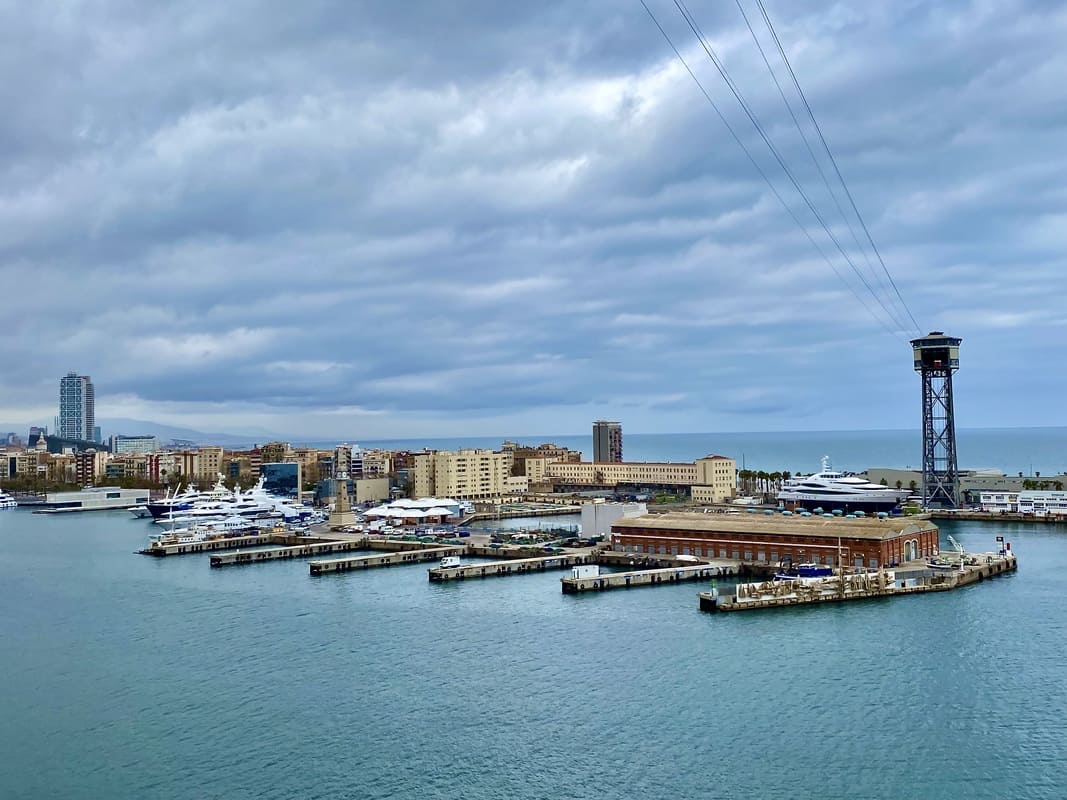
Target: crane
{"x":958,"y":548}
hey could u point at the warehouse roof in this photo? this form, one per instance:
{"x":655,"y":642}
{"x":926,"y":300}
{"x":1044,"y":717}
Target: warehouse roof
{"x":869,"y":528}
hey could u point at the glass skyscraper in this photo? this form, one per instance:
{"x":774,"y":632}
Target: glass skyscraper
{"x":77,"y":407}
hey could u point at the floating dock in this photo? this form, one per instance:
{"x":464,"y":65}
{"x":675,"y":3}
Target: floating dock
{"x":517,"y":566}
{"x":861,"y":586}
{"x":278,"y":553}
{"x":647,"y":577}
{"x":386,"y":560}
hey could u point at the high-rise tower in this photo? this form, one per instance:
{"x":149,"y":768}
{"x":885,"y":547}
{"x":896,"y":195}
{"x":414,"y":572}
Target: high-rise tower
{"x":936,"y":357}
{"x":77,"y":407}
{"x":607,"y":442}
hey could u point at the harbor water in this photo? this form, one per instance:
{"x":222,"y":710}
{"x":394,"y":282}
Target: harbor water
{"x":133,"y":677}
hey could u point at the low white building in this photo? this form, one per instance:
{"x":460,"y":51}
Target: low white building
{"x":1040,"y":503}
{"x":102,"y":498}
{"x":1043,"y":503}
{"x":597,"y":518}
{"x":999,"y":501}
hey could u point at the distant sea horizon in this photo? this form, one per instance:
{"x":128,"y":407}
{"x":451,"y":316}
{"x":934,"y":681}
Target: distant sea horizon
{"x":1010,"y":450}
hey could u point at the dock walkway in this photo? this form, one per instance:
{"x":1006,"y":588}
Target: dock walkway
{"x":277,"y":553}
{"x":386,"y":560}
{"x":518,"y":566}
{"x":778,"y":594}
{"x":649,"y":577}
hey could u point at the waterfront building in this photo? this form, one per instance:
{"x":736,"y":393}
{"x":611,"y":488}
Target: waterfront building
{"x":77,"y":407}
{"x":462,"y":474}
{"x":209,"y":463}
{"x":550,"y":451}
{"x":89,"y":465}
{"x":360,"y":490}
{"x":598,"y":517}
{"x":862,"y":543}
{"x":712,"y":479}
{"x":123,"y":445}
{"x":607,"y":441}
{"x":273,"y":452}
{"x":377,"y":463}
{"x":127,"y":466}
{"x":1043,"y":503}
{"x":282,"y":478}
{"x":99,"y":499}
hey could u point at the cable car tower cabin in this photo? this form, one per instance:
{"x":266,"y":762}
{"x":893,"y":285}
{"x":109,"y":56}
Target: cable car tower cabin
{"x":936,"y":357}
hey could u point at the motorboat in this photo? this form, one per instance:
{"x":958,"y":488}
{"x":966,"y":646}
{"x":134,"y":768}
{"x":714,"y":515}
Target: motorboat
{"x":7,"y":501}
{"x":832,"y":490}
{"x":803,"y":571}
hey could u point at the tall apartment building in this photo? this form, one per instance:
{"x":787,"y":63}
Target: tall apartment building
{"x":77,"y":407}
{"x":462,"y":474}
{"x":209,"y":463}
{"x":607,"y":442}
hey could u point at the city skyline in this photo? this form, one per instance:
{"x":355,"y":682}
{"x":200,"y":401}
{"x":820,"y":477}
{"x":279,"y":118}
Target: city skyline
{"x":532,"y":225}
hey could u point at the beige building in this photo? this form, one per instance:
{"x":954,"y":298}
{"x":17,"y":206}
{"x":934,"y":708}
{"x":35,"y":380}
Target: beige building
{"x":712,"y":479}
{"x":209,"y":462}
{"x":461,"y":474}
{"x":716,"y":480}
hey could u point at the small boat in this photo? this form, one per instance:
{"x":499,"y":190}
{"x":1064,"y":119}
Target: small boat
{"x":450,"y":562}
{"x":940,"y":564}
{"x":809,"y":570}
{"x":140,"y":512}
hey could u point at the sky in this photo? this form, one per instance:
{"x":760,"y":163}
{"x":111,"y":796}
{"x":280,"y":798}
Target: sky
{"x":371,"y":220}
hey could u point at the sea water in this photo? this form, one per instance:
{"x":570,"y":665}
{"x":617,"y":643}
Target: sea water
{"x":127,"y":676}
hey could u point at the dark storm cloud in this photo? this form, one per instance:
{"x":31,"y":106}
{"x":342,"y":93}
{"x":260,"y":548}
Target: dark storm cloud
{"x":378,"y":216}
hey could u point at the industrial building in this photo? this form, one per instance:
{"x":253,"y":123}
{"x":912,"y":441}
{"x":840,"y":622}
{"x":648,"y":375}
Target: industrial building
{"x":869,"y":543}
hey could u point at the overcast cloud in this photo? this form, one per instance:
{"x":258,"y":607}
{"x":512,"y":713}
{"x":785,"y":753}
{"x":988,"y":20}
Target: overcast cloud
{"x":361,"y":220}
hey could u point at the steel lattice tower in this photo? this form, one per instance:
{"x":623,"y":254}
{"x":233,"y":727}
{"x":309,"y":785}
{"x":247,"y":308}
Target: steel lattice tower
{"x":936,"y":357}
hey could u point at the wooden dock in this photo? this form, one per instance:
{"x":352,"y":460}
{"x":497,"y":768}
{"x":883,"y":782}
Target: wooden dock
{"x":519,"y":566}
{"x":278,"y":553}
{"x":782,"y":594}
{"x":386,"y":560}
{"x":648,"y":577}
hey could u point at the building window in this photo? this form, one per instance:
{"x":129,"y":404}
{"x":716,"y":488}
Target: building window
{"x":737,"y":555}
{"x":774,"y":557}
{"x":873,"y":563}
{"x":748,"y":555}
{"x":761,"y":556}
{"x":722,"y":552}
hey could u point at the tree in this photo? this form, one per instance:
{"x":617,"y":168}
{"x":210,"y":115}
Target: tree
{"x":900,"y":484}
{"x":912,"y":485}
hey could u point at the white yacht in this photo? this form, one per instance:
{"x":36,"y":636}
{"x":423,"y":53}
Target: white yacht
{"x":831,"y":490}
{"x":7,"y":501}
{"x":182,"y":501}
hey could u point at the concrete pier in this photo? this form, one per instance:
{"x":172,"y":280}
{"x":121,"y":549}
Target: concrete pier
{"x":212,"y":545}
{"x":517,"y":566}
{"x":277,"y":553}
{"x":648,"y":577}
{"x":386,"y":560}
{"x":915,"y":580}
